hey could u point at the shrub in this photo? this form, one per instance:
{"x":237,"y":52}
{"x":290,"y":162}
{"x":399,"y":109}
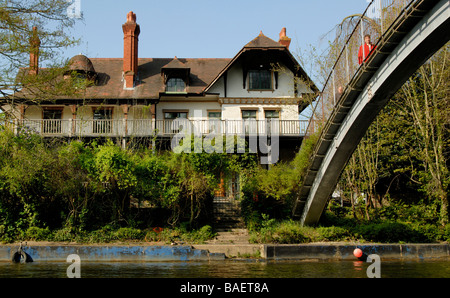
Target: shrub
{"x":128,"y":234}
{"x":37,"y":234}
{"x":389,"y":232}
{"x":289,"y":234}
{"x":64,"y":234}
{"x":333,"y":234}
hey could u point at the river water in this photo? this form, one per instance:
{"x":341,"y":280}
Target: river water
{"x":230,"y":269}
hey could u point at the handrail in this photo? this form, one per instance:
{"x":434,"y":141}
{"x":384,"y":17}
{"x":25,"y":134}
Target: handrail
{"x":151,"y":127}
{"x":384,"y":8}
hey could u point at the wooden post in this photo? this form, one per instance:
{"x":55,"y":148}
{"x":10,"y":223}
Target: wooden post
{"x":73,"y":108}
{"x":125,"y":119}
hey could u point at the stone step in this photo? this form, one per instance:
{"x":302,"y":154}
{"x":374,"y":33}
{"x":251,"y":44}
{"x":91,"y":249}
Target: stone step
{"x":231,"y":236}
{"x":227,"y":214}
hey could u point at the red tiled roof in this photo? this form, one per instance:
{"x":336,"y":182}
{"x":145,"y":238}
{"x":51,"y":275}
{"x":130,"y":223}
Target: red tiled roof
{"x":150,"y":82}
{"x":203,"y":73}
{"x":262,"y":41}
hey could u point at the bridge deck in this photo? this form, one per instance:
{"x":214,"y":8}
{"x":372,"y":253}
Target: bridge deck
{"x":385,"y":47}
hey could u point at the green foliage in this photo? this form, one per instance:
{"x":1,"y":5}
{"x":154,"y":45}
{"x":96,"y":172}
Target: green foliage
{"x":182,"y":234}
{"x":36,"y":234}
{"x":76,"y":189}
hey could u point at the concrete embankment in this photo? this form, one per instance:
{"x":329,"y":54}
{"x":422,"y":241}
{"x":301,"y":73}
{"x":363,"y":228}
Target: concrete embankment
{"x":345,"y":251}
{"x":109,"y":253}
{"x":208,"y":252}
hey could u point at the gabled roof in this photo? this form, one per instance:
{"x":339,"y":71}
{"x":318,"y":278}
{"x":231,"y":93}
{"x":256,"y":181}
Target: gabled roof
{"x":150,"y":82}
{"x":203,"y":73}
{"x":175,"y":64}
{"x":262,"y":41}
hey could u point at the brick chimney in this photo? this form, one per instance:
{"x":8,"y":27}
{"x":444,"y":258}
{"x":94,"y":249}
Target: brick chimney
{"x":34,"y":52}
{"x":284,"y":40}
{"x":131,"y":32}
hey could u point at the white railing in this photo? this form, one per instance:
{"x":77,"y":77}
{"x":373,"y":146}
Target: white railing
{"x":151,"y":127}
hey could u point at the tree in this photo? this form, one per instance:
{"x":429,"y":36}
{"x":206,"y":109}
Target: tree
{"x":407,"y":146}
{"x":426,"y":98}
{"x":32,"y":27}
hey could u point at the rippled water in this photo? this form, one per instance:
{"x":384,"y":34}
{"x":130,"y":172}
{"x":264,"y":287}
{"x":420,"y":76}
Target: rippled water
{"x":229,"y":269}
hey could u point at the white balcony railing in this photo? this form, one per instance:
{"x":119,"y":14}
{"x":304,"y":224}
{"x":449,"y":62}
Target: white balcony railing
{"x":151,"y":127}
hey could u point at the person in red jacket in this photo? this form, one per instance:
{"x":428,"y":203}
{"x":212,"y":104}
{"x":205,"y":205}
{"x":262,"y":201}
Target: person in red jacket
{"x":365,"y":50}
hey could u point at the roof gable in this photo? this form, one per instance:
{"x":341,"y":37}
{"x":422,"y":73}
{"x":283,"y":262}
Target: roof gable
{"x":202,"y":72}
{"x":262,"y":41}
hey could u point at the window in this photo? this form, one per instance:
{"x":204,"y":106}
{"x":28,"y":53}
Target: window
{"x":102,"y":121}
{"x":52,"y":114}
{"x":170,"y":126}
{"x":175,"y":85}
{"x":260,"y":80}
{"x":249,"y":114}
{"x":214,"y":123}
{"x":174,"y":115}
{"x":270,"y":114}
{"x":249,"y":117}
{"x":102,"y":114}
{"x":215,"y":115}
{"x":52,"y":120}
{"x":271,"y":123}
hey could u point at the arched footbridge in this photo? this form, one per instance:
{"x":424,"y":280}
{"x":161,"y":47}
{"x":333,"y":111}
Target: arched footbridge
{"x":407,"y":34}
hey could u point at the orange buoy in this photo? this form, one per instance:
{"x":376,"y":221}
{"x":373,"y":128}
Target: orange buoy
{"x":358,"y":253}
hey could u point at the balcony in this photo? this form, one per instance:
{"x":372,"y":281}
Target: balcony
{"x":161,"y":128}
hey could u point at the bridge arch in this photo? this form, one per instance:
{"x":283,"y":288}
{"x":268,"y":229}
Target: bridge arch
{"x":421,"y":31}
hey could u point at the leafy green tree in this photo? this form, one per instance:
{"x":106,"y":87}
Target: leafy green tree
{"x":52,"y":26}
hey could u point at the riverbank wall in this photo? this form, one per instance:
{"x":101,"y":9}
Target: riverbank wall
{"x":345,"y":252}
{"x":209,"y":252}
{"x":111,"y":253}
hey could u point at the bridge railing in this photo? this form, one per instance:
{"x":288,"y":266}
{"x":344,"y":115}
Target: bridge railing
{"x":351,"y":56}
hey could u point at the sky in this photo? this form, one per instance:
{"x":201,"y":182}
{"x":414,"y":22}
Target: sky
{"x":204,"y":28}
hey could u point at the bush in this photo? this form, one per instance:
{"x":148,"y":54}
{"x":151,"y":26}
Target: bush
{"x":289,"y":234}
{"x":37,"y":234}
{"x":285,"y":232}
{"x":333,"y":234}
{"x":181,"y":234}
{"x":389,"y":232}
{"x":124,"y":234}
{"x":446,"y":233}
{"x":64,"y":235}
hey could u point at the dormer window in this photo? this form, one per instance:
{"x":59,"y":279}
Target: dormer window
{"x":260,"y":80}
{"x":82,"y":71}
{"x":176,"y":76}
{"x":175,"y":85}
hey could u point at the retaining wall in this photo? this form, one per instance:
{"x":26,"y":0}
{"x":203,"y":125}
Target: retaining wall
{"x":106,"y":253}
{"x":345,"y":252}
{"x":112,"y":253}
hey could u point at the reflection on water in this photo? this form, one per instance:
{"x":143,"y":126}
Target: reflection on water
{"x":228,"y":269}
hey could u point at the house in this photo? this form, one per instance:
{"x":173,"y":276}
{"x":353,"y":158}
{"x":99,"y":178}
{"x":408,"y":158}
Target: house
{"x":261,"y":88}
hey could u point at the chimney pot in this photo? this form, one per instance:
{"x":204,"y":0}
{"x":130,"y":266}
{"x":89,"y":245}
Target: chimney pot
{"x":131,"y":32}
{"x":284,"y":40}
{"x":283,"y":32}
{"x":34,"y":52}
{"x":131,"y":17}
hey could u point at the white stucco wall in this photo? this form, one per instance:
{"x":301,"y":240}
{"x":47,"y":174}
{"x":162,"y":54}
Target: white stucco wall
{"x":196,"y":110}
{"x":235,"y":85}
{"x":33,"y":113}
{"x":234,"y":111}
